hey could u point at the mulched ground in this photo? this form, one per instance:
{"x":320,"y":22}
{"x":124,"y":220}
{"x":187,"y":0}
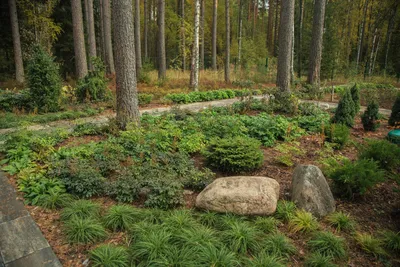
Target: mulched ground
{"x":373,"y":213}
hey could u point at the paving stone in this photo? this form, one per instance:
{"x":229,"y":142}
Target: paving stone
{"x":10,"y":207}
{"x":42,"y":258}
{"x":19,"y":238}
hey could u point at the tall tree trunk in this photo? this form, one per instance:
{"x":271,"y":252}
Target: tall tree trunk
{"x":183,"y":34}
{"x":255,"y":9}
{"x":162,"y":62}
{"x":127,"y":99}
{"x":202,"y":22}
{"x":102,"y":34}
{"x":240,"y":33}
{"x":86,"y":22}
{"x":107,"y":37}
{"x":372,"y":52}
{"x":227,"y":43}
{"x":285,"y":45}
{"x":389,"y":36}
{"x":276,"y":30}
{"x":292,"y":58}
{"x":316,"y":43}
{"x":79,"y":39}
{"x":138,"y":50}
{"x":194,"y":73}
{"x":300,"y":37}
{"x":376,"y":53}
{"x":19,"y":65}
{"x":214,"y":36}
{"x":270,"y":31}
{"x":349,"y":31}
{"x":91,"y":33}
{"x":361,"y":37}
{"x":146,"y":28}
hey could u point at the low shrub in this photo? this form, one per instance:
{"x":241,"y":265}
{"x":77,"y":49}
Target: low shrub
{"x":120,"y":217}
{"x":110,"y":256}
{"x":82,"y":209}
{"x":394,"y":119}
{"x":145,"y":99}
{"x":285,"y":210}
{"x":164,"y":194}
{"x":370,"y":244}
{"x":11,"y":100}
{"x":355,"y":95}
{"x":386,"y":154}
{"x":93,"y":87}
{"x":370,"y":117}
{"x":356,"y":178}
{"x":286,"y":103}
{"x":84,"y":231}
{"x":345,"y":111}
{"x":237,"y":154}
{"x":125,"y":188}
{"x":327,"y":244}
{"x":341,"y":221}
{"x":338,"y":134}
{"x":278,"y":245}
{"x":303,"y":222}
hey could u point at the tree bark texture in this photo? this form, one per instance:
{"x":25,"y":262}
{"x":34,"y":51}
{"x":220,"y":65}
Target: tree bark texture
{"x":162,"y":63}
{"x":91,"y":32}
{"x":102,"y":40}
{"x":270,"y":28}
{"x":146,"y":29}
{"x":202,"y":22}
{"x":240,"y":33}
{"x":79,"y":39}
{"x":227,"y":42}
{"x":300,"y":37}
{"x":183,"y":34}
{"x":138,"y":50}
{"x":285,"y":45}
{"x":316,"y":43}
{"x":123,"y":31}
{"x":107,"y":37}
{"x":276,"y":28}
{"x":194,"y":73}
{"x":214,"y":36}
{"x":361,"y":37}
{"x":19,"y":65}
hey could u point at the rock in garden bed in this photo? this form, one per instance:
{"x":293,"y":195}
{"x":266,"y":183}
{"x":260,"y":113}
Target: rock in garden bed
{"x":310,"y":191}
{"x":244,"y":195}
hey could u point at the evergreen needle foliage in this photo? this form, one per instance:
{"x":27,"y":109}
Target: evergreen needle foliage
{"x":83,"y":231}
{"x":355,"y":95}
{"x":386,"y":154}
{"x":303,"y":222}
{"x":81,"y":209}
{"x":109,"y":256}
{"x":279,"y":245}
{"x":120,"y":217}
{"x":327,"y":244}
{"x":370,"y":117}
{"x":370,"y":244}
{"x":285,"y":210}
{"x":345,"y":111}
{"x":341,"y":221}
{"x":395,"y":115}
{"x":318,"y":260}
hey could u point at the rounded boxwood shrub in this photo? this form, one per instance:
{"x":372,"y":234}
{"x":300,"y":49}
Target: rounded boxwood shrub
{"x":237,"y":154}
{"x":395,"y":116}
{"x":370,"y":117}
{"x":345,"y":111}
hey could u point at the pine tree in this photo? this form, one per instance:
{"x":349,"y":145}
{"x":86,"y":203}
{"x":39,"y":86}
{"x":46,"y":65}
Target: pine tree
{"x":370,"y":117}
{"x":355,"y":95}
{"x":345,"y":111}
{"x":395,"y":116}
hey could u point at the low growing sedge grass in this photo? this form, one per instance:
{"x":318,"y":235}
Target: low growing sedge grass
{"x":278,"y":244}
{"x":285,"y":210}
{"x":318,"y":260}
{"x":328,"y":244}
{"x":120,"y":217}
{"x":110,"y":256}
{"x":303,"y":222}
{"x":84,"y":231}
{"x":341,"y":221}
{"x":370,"y":244}
{"x":81,"y":209}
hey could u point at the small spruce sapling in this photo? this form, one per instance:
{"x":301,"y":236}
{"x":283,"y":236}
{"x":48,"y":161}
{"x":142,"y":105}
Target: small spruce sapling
{"x":355,"y":95}
{"x":345,"y":111}
{"x":370,"y":117}
{"x":395,"y":116}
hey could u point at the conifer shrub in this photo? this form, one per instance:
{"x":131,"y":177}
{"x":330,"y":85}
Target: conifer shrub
{"x":345,"y":111}
{"x":338,"y":134}
{"x":386,"y":154}
{"x":395,"y":115}
{"x":93,"y":87}
{"x":355,"y":95}
{"x":237,"y":154}
{"x":370,"y":117}
{"x":44,"y":81}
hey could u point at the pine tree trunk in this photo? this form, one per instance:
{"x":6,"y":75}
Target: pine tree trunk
{"x":194,"y":73}
{"x":276,"y":29}
{"x":138,"y":50}
{"x":86,"y":32}
{"x":227,"y":43}
{"x":361,"y":37}
{"x":316,"y":43}
{"x":214,"y":36}
{"x":270,"y":31}
{"x":146,"y":29}
{"x":19,"y":65}
{"x":202,"y":22}
{"x":124,"y":41}
{"x":162,"y":64}
{"x":107,"y":37}
{"x":240,"y":33}
{"x":102,"y":40}
{"x":389,"y":36}
{"x":91,"y":33}
{"x":183,"y":35}
{"x":376,"y":53}
{"x":285,"y":45}
{"x":300,"y":37}
{"x":79,"y":39}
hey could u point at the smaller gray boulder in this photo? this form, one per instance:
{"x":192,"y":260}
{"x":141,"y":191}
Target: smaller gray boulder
{"x":310,"y":191}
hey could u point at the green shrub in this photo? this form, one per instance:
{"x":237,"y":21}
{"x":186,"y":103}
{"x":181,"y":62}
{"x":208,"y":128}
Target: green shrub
{"x":285,"y":103}
{"x":81,"y":209}
{"x":355,"y":95}
{"x":55,"y":199}
{"x":338,"y":134}
{"x":125,"y":188}
{"x":313,"y":123}
{"x":241,"y":237}
{"x":164,"y":194}
{"x":386,"y":154}
{"x":196,"y":235}
{"x":391,"y":240}
{"x":10,"y":101}
{"x":345,"y":111}
{"x":120,"y":217}
{"x":237,"y":154}
{"x":318,"y":260}
{"x":93,"y":87}
{"x":356,"y":178}
{"x":327,"y":244}
{"x":84,"y":231}
{"x":341,"y":221}
{"x":370,"y":244}
{"x":395,"y":115}
{"x":285,"y":210}
{"x":145,"y":99}
{"x":44,"y":81}
{"x":278,"y":245}
{"x":110,"y":256}
{"x":370,"y":117}
{"x":303,"y":222}
{"x":179,"y":220}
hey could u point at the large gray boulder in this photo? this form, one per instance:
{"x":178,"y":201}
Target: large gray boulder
{"x":310,"y":191}
{"x":244,"y":195}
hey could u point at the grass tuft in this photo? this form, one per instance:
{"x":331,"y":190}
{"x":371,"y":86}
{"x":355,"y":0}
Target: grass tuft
{"x":55,"y":199}
{"x":303,"y":222}
{"x":175,"y":256}
{"x":266,"y":224}
{"x":391,"y":240}
{"x":266,"y":260}
{"x":81,"y":209}
{"x":285,"y":210}
{"x":329,"y":245}
{"x":84,"y":231}
{"x":151,"y":245}
{"x":110,"y":256}
{"x":370,"y":244}
{"x":211,"y":256}
{"x":201,"y":235}
{"x":318,"y":260}
{"x":209,"y":218}
{"x":120,"y":217}
{"x":179,"y":219}
{"x":240,"y":236}
{"x":279,"y":245}
{"x":341,"y":221}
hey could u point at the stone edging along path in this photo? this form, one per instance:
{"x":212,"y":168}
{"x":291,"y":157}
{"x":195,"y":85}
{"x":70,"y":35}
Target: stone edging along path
{"x":22,"y":243}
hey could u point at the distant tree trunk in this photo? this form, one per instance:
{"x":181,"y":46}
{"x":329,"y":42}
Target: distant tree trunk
{"x":91,"y":32}
{"x":183,"y":35}
{"x":270,"y":28}
{"x":107,"y":37}
{"x":376,"y":53}
{"x":240,"y":33}
{"x":255,"y":9}
{"x":389,"y":36}
{"x":79,"y":39}
{"x":214,"y":36}
{"x":227,"y":43}
{"x":102,"y":34}
{"x":19,"y":65}
{"x":292,"y":58}
{"x":146,"y":28}
{"x":127,"y":99}
{"x":194,"y":73}
{"x":349,"y":31}
{"x":372,"y":52}
{"x":300,"y":37}
{"x":202,"y":22}
{"x":361,"y":37}
{"x":316,"y":43}
{"x":276,"y":30}
{"x":285,"y":45}
{"x":138,"y":50}
{"x":162,"y":63}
